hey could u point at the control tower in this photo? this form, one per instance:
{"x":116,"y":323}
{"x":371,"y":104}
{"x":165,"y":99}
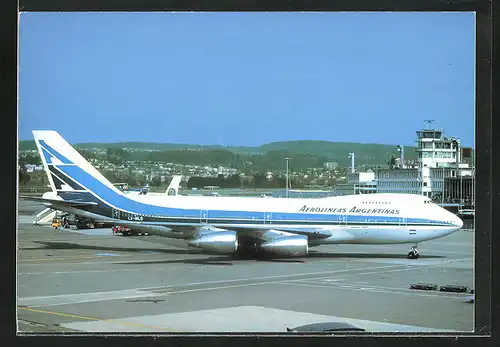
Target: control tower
{"x":439,"y":160}
{"x":434,"y":150}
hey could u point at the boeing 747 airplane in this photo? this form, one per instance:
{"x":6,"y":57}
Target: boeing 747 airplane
{"x":279,"y":227}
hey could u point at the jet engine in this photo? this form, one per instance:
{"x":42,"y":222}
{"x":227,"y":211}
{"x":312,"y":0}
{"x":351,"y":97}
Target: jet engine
{"x":287,"y":246}
{"x":220,"y":242}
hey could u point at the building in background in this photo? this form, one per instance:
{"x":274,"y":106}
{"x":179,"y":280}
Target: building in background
{"x":405,"y":181}
{"x":331,"y":165}
{"x":467,"y":156}
{"x":358,"y":183}
{"x":459,"y":190}
{"x":441,"y":162}
{"x":434,"y":150}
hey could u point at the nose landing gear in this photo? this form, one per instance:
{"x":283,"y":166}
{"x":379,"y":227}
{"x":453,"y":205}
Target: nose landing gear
{"x":413,"y":254}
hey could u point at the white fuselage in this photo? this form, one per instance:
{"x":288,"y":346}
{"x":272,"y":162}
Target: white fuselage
{"x":359,"y":219}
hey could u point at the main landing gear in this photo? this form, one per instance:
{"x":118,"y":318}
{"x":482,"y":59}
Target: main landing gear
{"x":413,"y":254}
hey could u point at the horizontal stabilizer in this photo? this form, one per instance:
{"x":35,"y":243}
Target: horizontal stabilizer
{"x":60,"y":202}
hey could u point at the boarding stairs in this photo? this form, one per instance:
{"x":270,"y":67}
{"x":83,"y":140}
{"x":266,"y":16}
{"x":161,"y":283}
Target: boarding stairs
{"x":44,"y":217}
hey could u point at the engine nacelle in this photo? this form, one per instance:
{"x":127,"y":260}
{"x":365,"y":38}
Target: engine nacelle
{"x":220,"y":242}
{"x":287,"y":246}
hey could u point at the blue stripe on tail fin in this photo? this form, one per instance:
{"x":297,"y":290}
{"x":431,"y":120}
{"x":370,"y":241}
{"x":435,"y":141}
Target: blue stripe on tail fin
{"x":49,"y":152}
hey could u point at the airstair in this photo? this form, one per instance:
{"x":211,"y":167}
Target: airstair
{"x":44,"y":217}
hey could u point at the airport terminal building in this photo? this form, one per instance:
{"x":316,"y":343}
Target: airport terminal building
{"x":440,"y":161}
{"x":357,"y":183}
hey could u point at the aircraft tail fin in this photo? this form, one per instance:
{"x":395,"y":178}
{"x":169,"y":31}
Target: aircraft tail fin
{"x":173,"y":187}
{"x":65,"y":167}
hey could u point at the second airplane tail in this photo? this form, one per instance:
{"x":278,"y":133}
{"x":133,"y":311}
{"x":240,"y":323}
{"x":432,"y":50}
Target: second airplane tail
{"x":173,"y":187}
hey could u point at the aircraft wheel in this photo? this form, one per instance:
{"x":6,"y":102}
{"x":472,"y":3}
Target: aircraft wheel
{"x":413,"y":254}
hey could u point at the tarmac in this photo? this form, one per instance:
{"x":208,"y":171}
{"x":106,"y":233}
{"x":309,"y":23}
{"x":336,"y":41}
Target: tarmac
{"x":94,"y":281}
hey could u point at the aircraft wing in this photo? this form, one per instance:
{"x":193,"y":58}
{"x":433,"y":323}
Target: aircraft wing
{"x":269,"y":231}
{"x":263,"y":231}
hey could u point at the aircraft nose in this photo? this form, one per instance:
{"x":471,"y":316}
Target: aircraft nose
{"x":453,"y":218}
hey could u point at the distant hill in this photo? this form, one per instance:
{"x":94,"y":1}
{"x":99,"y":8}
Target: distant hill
{"x":365,"y":153}
{"x":27,"y":145}
{"x":303,"y":153}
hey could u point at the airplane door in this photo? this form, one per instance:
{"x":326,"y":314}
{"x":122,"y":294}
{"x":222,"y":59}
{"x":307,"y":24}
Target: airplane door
{"x":343,"y":220}
{"x":268,"y":216}
{"x":204,"y":216}
{"x":116,"y":214}
{"x":412,"y":233}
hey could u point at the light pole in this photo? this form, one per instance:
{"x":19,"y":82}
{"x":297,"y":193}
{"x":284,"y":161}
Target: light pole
{"x":442,"y":191}
{"x":351,"y":155}
{"x":401,"y":149}
{"x":286,"y":190}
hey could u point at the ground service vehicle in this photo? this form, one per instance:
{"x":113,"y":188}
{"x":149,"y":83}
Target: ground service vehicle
{"x":118,"y":229}
{"x":56,"y":223}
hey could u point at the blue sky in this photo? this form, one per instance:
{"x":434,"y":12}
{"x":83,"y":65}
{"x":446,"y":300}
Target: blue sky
{"x":246,"y":78}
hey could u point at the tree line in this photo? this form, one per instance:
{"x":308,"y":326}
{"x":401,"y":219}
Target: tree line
{"x":270,"y":160}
